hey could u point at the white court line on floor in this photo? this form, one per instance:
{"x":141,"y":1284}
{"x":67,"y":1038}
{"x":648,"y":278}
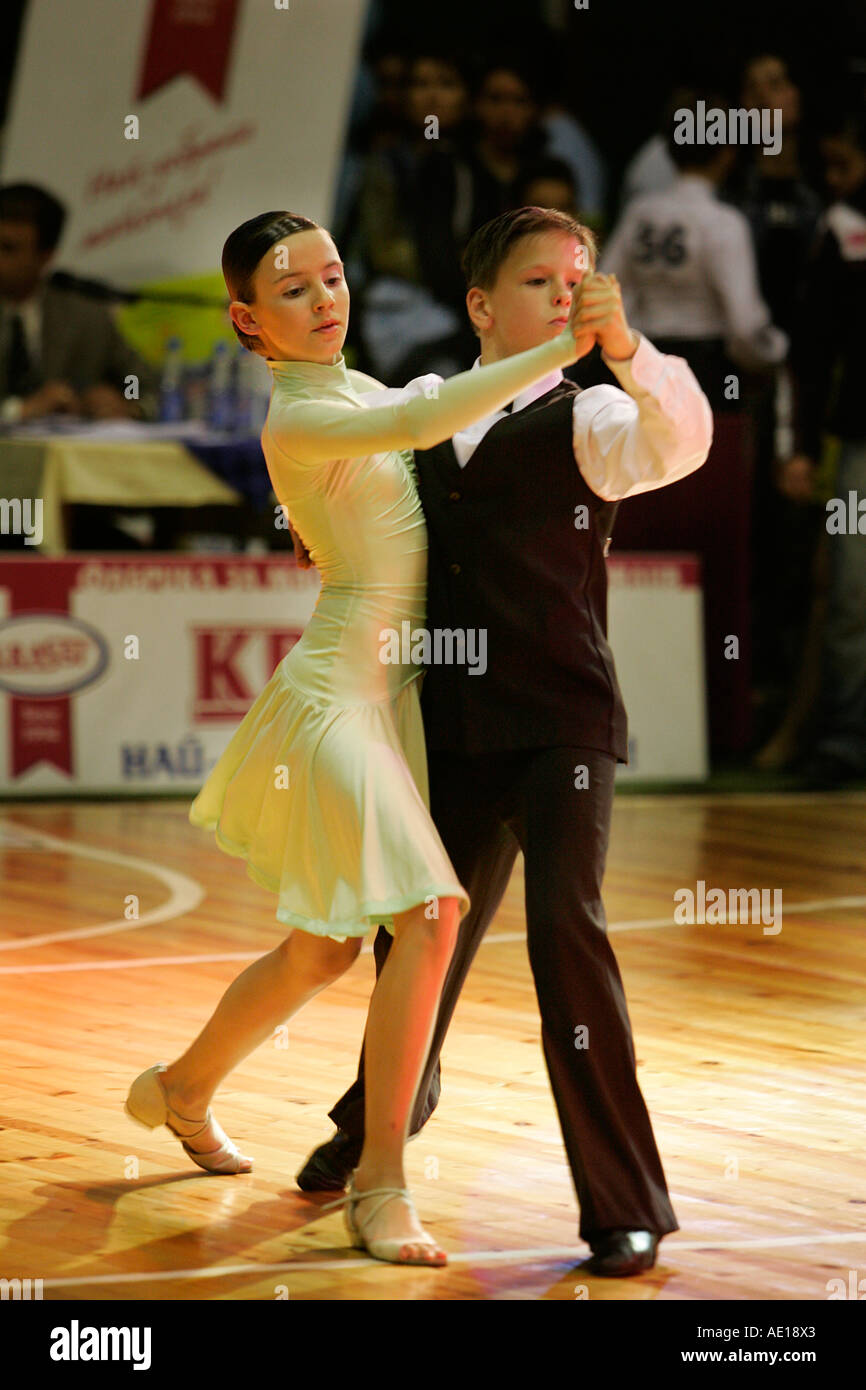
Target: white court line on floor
{"x":569,"y":1254}
{"x":491,"y":939}
{"x":184,"y":893}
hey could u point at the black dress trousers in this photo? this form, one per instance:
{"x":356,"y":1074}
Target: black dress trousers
{"x":485,"y":806}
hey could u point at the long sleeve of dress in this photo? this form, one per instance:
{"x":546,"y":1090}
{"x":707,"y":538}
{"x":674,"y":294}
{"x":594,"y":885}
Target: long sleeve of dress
{"x":317,"y":432}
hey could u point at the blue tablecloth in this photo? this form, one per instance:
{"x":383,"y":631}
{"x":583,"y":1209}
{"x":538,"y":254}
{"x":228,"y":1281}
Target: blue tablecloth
{"x":239,"y":461}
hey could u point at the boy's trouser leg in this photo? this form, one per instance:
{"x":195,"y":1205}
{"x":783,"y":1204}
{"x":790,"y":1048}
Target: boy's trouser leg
{"x":463,"y":805}
{"x":563,"y":831}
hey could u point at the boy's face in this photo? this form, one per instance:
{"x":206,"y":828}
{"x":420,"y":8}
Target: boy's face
{"x":531,"y":297}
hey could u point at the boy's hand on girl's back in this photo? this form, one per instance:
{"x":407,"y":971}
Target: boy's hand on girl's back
{"x":302,"y":554}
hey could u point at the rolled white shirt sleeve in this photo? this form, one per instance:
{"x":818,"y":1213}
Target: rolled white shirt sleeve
{"x":654,"y":432}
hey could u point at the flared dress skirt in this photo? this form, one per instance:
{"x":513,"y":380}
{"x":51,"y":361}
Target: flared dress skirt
{"x":329,"y":806}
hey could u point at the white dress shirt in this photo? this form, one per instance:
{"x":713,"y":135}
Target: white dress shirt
{"x":658,"y":432}
{"x":687,"y":269}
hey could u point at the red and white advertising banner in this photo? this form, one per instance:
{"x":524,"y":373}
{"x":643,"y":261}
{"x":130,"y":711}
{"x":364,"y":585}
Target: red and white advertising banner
{"x":122,"y":674}
{"x":163,"y":124}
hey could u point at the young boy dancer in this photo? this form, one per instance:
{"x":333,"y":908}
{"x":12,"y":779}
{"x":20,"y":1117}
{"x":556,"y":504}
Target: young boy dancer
{"x":524,"y":755}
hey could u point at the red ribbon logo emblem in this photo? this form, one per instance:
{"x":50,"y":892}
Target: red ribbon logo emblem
{"x":188,"y":36}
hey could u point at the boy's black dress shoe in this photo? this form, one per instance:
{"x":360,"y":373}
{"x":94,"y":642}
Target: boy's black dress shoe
{"x":617,"y":1254}
{"x":330,"y":1166}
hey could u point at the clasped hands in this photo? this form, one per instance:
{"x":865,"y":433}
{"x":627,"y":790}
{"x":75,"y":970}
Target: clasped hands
{"x":597,"y":316}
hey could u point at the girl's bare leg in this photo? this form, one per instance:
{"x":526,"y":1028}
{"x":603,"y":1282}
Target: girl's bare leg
{"x":265,"y":995}
{"x":399,"y":1033}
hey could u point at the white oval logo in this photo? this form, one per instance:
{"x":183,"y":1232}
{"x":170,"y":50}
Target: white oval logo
{"x":45,"y":654}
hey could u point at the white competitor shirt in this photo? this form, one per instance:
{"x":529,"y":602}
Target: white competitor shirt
{"x":687,"y":269}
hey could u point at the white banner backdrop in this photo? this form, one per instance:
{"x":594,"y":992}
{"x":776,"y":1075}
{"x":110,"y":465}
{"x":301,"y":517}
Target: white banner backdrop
{"x":163,"y":124}
{"x":122,"y":674}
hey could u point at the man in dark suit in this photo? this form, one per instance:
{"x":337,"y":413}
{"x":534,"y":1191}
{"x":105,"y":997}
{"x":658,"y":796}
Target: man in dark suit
{"x":523,"y":756}
{"x":59,"y":352}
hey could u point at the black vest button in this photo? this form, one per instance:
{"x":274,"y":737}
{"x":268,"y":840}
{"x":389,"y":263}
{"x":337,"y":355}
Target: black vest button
{"x":454,"y":496}
{"x":455,"y":569}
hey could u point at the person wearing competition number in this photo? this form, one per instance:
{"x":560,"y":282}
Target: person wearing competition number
{"x":323,"y":787}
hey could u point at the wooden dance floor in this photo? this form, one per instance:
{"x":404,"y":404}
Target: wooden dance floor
{"x":749,"y":1044}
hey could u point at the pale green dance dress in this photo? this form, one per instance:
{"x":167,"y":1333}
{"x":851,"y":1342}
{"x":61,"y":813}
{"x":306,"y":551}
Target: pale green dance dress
{"x":323,"y":787}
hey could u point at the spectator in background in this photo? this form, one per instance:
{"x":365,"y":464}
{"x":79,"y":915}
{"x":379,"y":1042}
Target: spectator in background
{"x":59,"y":352}
{"x":415,"y":212}
{"x":567,"y":141}
{"x":459,"y":164}
{"x":548,"y":183}
{"x":687,"y":270}
{"x":782,"y":211}
{"x":781,"y":207}
{"x":508,"y":135}
{"x":651,"y":169}
{"x":829,"y":366}
{"x":378,"y":122}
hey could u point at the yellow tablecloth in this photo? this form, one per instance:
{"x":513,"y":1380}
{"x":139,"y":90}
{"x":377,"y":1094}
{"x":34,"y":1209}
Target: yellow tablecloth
{"x":138,"y":473}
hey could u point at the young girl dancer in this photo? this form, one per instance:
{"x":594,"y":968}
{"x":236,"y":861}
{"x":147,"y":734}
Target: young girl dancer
{"x":323,"y":787}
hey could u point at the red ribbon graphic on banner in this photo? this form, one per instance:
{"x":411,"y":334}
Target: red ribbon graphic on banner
{"x":188,"y":36}
{"x":39,"y":728}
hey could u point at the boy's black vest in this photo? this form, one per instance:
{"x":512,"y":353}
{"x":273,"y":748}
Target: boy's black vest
{"x":516,"y":548}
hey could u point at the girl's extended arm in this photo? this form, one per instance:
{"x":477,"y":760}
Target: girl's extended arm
{"x":315,"y":432}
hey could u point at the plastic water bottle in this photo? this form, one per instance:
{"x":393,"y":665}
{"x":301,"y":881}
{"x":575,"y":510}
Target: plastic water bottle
{"x":243,"y":392}
{"x":252,"y":391}
{"x":221,"y":404}
{"x":171,"y":401}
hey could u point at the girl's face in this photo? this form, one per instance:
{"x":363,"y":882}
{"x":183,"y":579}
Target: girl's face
{"x":301,"y":306}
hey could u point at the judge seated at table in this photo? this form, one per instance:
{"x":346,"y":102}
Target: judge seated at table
{"x":60,"y":352}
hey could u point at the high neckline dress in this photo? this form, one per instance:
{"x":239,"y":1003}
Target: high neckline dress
{"x":323,"y":787}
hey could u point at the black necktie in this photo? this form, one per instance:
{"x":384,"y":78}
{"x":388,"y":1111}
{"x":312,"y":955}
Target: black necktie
{"x":18,"y":362}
